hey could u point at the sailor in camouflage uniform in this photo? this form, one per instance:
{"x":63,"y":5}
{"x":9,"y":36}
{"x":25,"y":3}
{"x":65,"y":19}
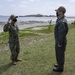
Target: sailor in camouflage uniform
{"x":13,"y":30}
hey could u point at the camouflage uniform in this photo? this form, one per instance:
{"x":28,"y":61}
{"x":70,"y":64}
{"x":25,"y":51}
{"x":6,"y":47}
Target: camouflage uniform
{"x":13,"y":40}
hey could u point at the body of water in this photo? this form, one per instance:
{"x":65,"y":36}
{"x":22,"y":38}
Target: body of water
{"x":45,"y":19}
{"x":5,"y":18}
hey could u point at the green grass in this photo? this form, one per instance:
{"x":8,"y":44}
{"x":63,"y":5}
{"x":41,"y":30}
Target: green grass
{"x":46,"y":30}
{"x":3,"y":38}
{"x":26,"y":33}
{"x":38,"y":58}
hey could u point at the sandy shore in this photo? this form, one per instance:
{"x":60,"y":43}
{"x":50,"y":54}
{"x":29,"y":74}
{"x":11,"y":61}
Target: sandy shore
{"x":22,"y":25}
{"x":26,"y":24}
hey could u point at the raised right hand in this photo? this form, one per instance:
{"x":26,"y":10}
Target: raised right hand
{"x":9,"y":20}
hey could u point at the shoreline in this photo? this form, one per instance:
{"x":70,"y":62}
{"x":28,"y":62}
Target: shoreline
{"x":26,"y":24}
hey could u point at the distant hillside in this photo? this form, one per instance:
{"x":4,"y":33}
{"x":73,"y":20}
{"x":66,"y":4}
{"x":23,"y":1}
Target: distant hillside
{"x":38,"y":15}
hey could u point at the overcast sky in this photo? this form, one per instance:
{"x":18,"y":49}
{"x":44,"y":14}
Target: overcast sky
{"x":27,"y":7}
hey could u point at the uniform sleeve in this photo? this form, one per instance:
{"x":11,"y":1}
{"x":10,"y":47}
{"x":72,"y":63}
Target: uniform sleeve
{"x":62,"y":33}
{"x":17,"y":28}
{"x":6,"y":27}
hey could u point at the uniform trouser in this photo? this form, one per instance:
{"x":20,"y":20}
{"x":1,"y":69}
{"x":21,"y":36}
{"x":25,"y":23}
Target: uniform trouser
{"x":60,"y":54}
{"x":15,"y":49}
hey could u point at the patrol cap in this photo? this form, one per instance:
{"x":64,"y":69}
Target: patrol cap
{"x":13,"y":16}
{"x":62,"y":9}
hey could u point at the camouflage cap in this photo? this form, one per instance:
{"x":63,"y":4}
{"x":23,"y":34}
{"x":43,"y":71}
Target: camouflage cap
{"x":13,"y":16}
{"x":62,"y":9}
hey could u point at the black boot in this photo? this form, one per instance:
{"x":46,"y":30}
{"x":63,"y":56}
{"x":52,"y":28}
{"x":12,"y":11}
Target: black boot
{"x":57,"y":69}
{"x":56,"y":65}
{"x":18,"y":60}
{"x":13,"y":63}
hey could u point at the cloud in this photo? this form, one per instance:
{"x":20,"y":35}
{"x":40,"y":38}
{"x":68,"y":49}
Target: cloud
{"x":22,"y":6}
{"x":24,"y":2}
{"x":1,"y":6}
{"x":35,"y":6}
{"x":37,"y":0}
{"x":13,"y":5}
{"x":31,"y":0}
{"x":18,"y":6}
{"x":34,"y":0}
{"x":10,"y":0}
{"x":72,"y":1}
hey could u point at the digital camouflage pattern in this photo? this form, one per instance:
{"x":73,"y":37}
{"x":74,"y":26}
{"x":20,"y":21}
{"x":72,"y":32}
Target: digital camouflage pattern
{"x":13,"y":40}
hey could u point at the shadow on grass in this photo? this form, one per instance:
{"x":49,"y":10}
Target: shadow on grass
{"x":5,"y":68}
{"x":55,"y":73}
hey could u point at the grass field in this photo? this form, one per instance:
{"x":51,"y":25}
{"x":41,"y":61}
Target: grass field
{"x":38,"y":54}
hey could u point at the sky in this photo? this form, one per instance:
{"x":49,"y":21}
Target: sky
{"x":28,"y":7}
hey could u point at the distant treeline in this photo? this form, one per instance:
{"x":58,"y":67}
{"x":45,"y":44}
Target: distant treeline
{"x":38,"y":15}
